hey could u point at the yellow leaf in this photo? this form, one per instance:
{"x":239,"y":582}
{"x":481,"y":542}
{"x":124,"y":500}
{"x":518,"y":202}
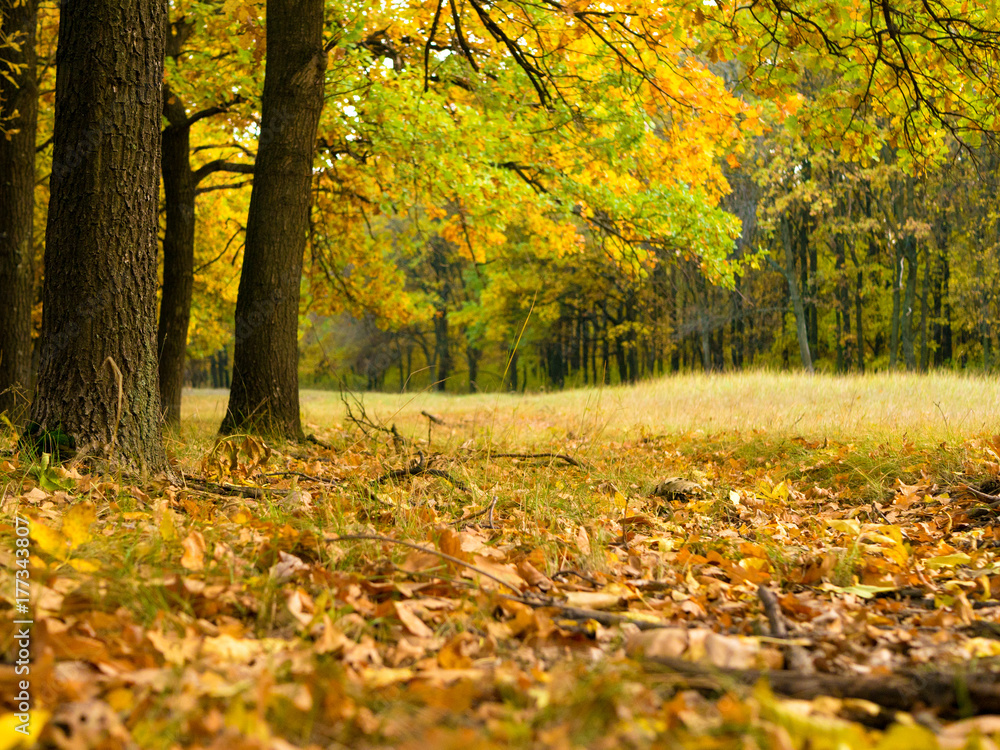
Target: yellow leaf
{"x":948,"y":561}
{"x":620,"y":500}
{"x":49,"y":540}
{"x":167,"y":528}
{"x":120,"y":699}
{"x":15,"y":733}
{"x":845,"y":525}
{"x":84,"y":566}
{"x":76,"y":525}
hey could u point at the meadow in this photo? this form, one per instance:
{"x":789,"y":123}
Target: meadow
{"x":935,"y":407}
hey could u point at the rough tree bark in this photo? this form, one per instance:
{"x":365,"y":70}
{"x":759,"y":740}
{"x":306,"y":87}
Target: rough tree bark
{"x":265,"y":392}
{"x":97,"y":367}
{"x":17,"y":202}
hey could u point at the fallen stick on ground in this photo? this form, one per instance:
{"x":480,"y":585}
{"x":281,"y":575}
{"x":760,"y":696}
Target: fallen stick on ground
{"x":561,"y":456}
{"x":952,"y":693}
{"x":420,"y":466}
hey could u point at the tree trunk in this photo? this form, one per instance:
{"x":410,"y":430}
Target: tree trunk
{"x":178,"y":256}
{"x":909,"y":302}
{"x":859,"y":320}
{"x":843,"y":316}
{"x":736,"y":325}
{"x":265,"y":391}
{"x":442,"y":351}
{"x":472,"y":355}
{"x":947,"y":350}
{"x":897,"y":284}
{"x":17,"y":203}
{"x":512,"y":372}
{"x":97,"y":388}
{"x":924,"y":294}
{"x":801,"y":330}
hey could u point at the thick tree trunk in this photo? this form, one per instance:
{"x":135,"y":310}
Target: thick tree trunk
{"x":17,"y":203}
{"x":265,"y":390}
{"x":97,"y":387}
{"x":178,"y":256}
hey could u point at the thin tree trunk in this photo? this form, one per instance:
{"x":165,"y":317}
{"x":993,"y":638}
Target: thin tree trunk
{"x":897,"y":283}
{"x":178,"y":256}
{"x":17,"y":202}
{"x":909,"y":301}
{"x":97,"y":388}
{"x":472,"y":355}
{"x":924,"y":293}
{"x":859,"y":320}
{"x":265,"y":391}
{"x":843,"y":316}
{"x":737,"y":324}
{"x":442,"y":351}
{"x":793,"y":292}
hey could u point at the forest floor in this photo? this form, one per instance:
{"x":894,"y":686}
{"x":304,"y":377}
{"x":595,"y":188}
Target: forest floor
{"x":746,"y":561}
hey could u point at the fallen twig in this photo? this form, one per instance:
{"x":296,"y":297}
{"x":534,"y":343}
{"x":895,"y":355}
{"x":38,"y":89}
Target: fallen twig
{"x":310,"y":438}
{"x":561,"y":456}
{"x":772,"y":609}
{"x":367,"y":425}
{"x":487,"y":511}
{"x":310,"y":477}
{"x":420,"y":466}
{"x":428,"y":550}
{"x":798,"y":657}
{"x":607,"y":619}
{"x":224,"y":489}
{"x":566,"y":573}
{"x":992,"y":500}
{"x":950,"y":693}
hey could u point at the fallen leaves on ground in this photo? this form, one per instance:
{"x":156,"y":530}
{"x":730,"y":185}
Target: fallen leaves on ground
{"x":201,"y":616}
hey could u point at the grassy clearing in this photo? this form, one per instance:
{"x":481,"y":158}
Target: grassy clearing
{"x":191,"y":617}
{"x":890,"y":424}
{"x":869,"y":409}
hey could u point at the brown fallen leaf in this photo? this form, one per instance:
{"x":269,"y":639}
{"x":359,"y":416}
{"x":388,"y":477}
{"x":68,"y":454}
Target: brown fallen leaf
{"x":676,"y":488}
{"x":411,"y":621}
{"x":194,"y":551}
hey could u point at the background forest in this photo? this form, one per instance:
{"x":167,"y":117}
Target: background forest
{"x":463,"y":237}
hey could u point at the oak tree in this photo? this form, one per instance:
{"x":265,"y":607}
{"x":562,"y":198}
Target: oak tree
{"x":97,"y":373}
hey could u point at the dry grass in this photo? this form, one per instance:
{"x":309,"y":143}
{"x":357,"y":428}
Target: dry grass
{"x":926,"y":409}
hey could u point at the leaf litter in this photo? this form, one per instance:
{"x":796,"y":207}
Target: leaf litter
{"x":661,"y":591}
